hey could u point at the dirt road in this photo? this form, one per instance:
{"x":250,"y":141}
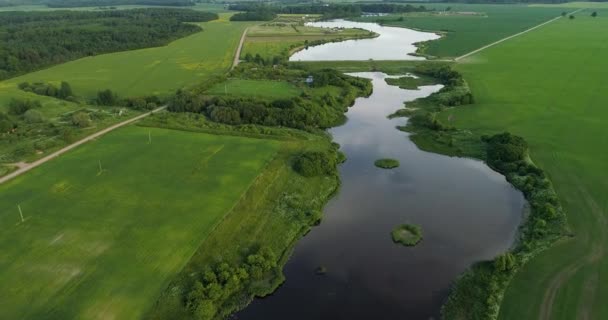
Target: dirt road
{"x":25,"y":167}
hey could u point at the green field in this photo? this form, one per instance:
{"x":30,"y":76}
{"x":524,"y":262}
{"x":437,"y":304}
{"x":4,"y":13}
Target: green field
{"x":256,"y":88}
{"x":278,"y":38}
{"x":465,"y":32}
{"x":159,"y":70}
{"x":105,"y":244}
{"x":549,"y":86}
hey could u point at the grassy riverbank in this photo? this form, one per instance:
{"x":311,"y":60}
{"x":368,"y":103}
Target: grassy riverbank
{"x":517,"y":87}
{"x":514,"y":87}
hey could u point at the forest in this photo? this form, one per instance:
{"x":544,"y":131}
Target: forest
{"x":329,"y":11}
{"x":33,"y":40}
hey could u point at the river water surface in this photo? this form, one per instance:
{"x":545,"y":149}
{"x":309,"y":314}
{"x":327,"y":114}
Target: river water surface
{"x":467,"y":213}
{"x":391,"y":44}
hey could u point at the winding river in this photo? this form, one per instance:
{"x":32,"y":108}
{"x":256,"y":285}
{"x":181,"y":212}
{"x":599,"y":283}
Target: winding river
{"x":467,"y":212}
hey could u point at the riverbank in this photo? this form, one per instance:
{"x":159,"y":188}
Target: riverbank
{"x":478,"y":293}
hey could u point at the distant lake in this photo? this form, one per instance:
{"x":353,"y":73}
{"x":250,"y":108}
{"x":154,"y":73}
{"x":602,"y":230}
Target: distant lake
{"x":391,"y":44}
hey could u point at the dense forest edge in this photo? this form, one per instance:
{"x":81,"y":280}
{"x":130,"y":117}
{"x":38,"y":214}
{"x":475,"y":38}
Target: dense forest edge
{"x":477,"y":294}
{"x":31,"y":41}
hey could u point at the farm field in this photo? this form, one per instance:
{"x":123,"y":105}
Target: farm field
{"x":481,"y":24}
{"x":159,"y":70}
{"x":549,"y":87}
{"x":256,"y":88}
{"x":105,"y":243}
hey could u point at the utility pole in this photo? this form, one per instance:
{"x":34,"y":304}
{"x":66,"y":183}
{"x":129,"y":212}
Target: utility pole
{"x":20,"y":213}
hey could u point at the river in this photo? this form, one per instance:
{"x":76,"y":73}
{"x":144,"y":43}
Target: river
{"x":467,"y":213}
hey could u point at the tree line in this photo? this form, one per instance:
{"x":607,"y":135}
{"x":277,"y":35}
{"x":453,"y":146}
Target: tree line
{"x":33,"y":40}
{"x":103,"y":3}
{"x":302,"y":112}
{"x":329,"y":11}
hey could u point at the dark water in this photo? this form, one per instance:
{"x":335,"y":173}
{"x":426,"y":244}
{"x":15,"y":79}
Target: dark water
{"x":467,"y":212}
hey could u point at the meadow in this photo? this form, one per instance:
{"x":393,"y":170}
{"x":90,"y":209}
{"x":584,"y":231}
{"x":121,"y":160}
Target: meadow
{"x":287,"y":33}
{"x":475,"y":26}
{"x":255,"y":88}
{"x":548,"y":86}
{"x":108,"y":225}
{"x":159,"y":70}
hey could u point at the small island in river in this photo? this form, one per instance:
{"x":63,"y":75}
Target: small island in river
{"x":407,"y":235}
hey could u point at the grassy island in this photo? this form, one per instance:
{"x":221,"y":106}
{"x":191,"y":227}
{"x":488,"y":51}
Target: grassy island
{"x":386,"y":163}
{"x":407,"y":235}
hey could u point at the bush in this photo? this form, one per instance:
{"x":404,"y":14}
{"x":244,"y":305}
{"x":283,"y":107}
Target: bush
{"x":19,"y":107}
{"x":81,"y":119}
{"x":311,"y":164}
{"x":33,"y":116}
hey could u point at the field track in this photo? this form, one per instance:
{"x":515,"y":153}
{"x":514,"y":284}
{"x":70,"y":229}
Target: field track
{"x":237,"y":55}
{"x":29,"y":166}
{"x":513,"y":36}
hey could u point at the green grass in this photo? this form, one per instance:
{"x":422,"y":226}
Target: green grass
{"x":159,"y":70}
{"x":408,"y":235}
{"x":409,"y":82}
{"x":549,"y":87}
{"x":386,"y":163}
{"x":278,"y":209}
{"x":106,"y":244}
{"x":465,"y":33}
{"x":278,"y":38}
{"x":256,"y":88}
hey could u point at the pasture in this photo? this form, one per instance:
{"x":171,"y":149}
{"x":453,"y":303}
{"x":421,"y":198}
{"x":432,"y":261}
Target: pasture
{"x":108,"y":225}
{"x":549,"y":86}
{"x":255,"y":88}
{"x":467,"y":27}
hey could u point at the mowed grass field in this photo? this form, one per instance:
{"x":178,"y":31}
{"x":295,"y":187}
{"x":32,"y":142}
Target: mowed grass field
{"x":465,"y":31}
{"x":256,"y":88}
{"x":549,"y":86}
{"x":103,"y":245}
{"x":159,"y":70}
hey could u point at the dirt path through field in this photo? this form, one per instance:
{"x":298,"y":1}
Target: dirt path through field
{"x":585,"y":307}
{"x":513,"y":36}
{"x":25,"y":167}
{"x":237,"y":56}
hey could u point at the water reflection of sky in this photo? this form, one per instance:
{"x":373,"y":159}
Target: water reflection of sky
{"x":467,"y":212}
{"x":392,"y":44}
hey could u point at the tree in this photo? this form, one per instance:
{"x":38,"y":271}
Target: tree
{"x":564,"y":13}
{"x":505,"y":262}
{"x":205,"y":310}
{"x":106,"y":98}
{"x":571,"y":17}
{"x":64,"y":91}
{"x":594,"y":14}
